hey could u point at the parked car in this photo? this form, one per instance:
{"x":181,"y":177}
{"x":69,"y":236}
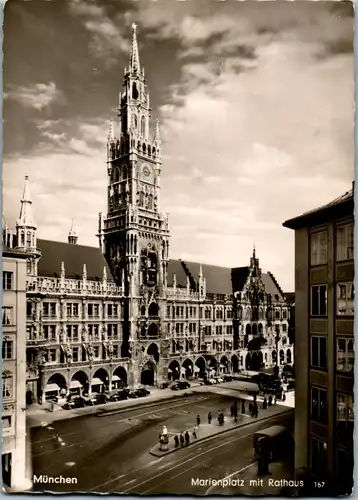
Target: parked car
{"x":228,"y":378}
{"x":142,"y":392}
{"x":212,"y":381}
{"x":99,"y":399}
{"x":119,"y":396}
{"x":219,"y":380}
{"x":178,"y":386}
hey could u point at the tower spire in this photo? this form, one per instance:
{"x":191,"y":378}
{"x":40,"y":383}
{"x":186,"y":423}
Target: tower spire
{"x":134,"y":58}
{"x":26,"y":215}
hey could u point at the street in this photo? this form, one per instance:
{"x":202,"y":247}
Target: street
{"x":110,"y":453}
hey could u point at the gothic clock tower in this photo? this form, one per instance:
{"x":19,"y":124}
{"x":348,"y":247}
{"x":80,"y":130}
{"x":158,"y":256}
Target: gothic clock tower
{"x":134,"y":236}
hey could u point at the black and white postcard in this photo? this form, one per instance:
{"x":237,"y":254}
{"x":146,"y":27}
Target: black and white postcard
{"x":178,"y":247}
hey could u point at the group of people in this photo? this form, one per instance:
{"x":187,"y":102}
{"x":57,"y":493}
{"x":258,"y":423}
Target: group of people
{"x":184,"y":437}
{"x":268,"y":401}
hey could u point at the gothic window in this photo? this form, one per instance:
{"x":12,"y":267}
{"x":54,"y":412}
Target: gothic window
{"x":248,"y":329}
{"x":144,"y":148}
{"x":254,"y":329}
{"x":153,"y":309}
{"x":141,"y":199}
{"x":134,"y":91}
{"x":142,"y":311}
{"x":124,"y":172}
{"x":150,"y":202}
{"x":22,"y":239}
{"x":153,"y":330}
{"x":116,"y":175}
{"x":153,"y":151}
{"x":142,"y":126}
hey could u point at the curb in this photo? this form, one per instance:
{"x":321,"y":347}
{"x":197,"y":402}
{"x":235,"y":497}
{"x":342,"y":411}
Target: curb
{"x":207,"y":438}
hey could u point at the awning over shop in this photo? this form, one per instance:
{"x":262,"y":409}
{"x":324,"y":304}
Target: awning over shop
{"x":182,"y":370}
{"x":170,"y":371}
{"x":222,"y":365}
{"x":75,"y":384}
{"x":115,"y":378}
{"x":196,"y":369}
{"x":97,"y":381}
{"x":52,"y":387}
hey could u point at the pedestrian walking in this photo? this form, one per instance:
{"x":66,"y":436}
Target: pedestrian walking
{"x":270,"y":400}
{"x":232,"y":410}
{"x":243,"y":407}
{"x":176,"y":441}
{"x":182,"y":439}
{"x":264,"y":404}
{"x":198,"y":420}
{"x":195,"y":432}
{"x":256,"y":410}
{"x":274,"y":399}
{"x":251,"y":409}
{"x":209,"y":417}
{"x":187,"y":438}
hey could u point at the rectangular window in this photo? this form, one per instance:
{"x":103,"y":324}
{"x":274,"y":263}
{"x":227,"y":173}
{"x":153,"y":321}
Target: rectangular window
{"x":319,"y":352}
{"x":7,"y":349}
{"x":168,"y":311}
{"x":319,"y":457}
{"x":7,"y":280}
{"x":28,"y":309}
{"x":115,"y":351}
{"x":52,"y":355}
{"x":345,"y":410}
{"x":229,"y":314}
{"x":75,"y":354}
{"x":319,"y":405}
{"x":7,"y":386}
{"x":7,"y":316}
{"x":96,"y":351}
{"x":319,"y":300}
{"x":93,"y":310}
{"x":319,"y":248}
{"x":345,"y":242}
{"x":49,"y":309}
{"x":345,"y":298}
{"x":345,"y":354}
{"x":284,"y":327}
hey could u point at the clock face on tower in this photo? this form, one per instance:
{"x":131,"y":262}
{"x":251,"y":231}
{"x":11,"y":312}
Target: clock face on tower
{"x":146,"y":173}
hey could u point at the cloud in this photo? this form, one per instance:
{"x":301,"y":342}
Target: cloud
{"x":108,"y":40}
{"x":37,"y":96}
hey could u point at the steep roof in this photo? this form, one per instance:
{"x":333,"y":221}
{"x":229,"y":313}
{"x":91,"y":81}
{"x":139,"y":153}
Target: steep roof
{"x":218,"y":279}
{"x":272,"y":287}
{"x":74,"y":257}
{"x":175,"y":267}
{"x":239,"y":277}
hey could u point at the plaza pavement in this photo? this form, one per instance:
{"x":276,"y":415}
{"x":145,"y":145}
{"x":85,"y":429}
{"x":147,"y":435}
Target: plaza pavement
{"x":207,"y":431}
{"x":39,"y":415}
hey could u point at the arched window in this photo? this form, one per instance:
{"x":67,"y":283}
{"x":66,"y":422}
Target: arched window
{"x":141,"y":199}
{"x":22,"y":239}
{"x":150,"y":202}
{"x":142,"y":310}
{"x":28,"y":239}
{"x":142,"y":127}
{"x":153,"y":309}
{"x":116,"y":175}
{"x":134,"y":91}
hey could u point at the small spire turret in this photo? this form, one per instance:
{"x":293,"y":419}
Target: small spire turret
{"x":72,"y":236}
{"x":156,"y":138}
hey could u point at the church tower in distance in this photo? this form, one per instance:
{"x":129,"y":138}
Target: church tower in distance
{"x":134,"y":236}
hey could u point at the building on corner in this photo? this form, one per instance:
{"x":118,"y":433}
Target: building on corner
{"x":14,"y":371}
{"x":324,"y":344}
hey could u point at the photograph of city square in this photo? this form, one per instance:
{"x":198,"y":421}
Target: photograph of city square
{"x":178,"y":247}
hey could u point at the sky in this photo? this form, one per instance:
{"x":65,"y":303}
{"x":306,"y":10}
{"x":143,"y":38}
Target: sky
{"x":255,"y":102}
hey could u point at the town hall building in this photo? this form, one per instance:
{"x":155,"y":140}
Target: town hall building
{"x":124,"y":312}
